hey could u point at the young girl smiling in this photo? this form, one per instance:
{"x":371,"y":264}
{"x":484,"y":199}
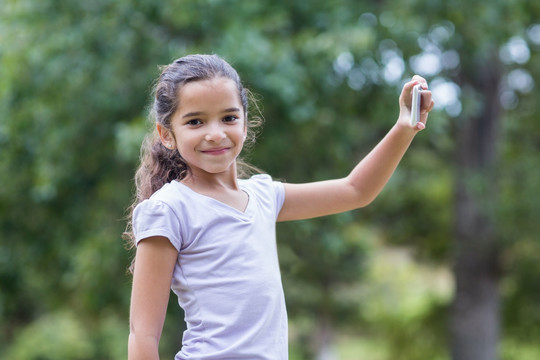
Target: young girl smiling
{"x":207,"y":231}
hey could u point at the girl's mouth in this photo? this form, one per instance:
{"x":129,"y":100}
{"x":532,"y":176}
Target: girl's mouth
{"x":216,"y":151}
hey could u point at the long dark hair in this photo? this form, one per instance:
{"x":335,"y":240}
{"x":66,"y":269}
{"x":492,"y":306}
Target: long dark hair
{"x":160,"y":165}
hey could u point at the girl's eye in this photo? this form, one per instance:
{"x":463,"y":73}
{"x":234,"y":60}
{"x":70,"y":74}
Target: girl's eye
{"x":194,"y":122}
{"x":230,"y":118}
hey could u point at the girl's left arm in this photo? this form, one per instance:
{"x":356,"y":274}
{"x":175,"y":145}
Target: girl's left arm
{"x":368,"y":178}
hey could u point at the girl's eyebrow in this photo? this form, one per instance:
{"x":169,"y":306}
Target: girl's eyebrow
{"x":233,"y":109}
{"x":191,"y":114}
{"x":199,"y":113}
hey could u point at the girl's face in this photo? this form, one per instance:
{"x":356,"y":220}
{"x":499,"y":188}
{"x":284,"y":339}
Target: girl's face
{"x":208,"y":127}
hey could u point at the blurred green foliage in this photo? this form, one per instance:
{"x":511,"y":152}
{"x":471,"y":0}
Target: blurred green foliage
{"x":75,"y":84}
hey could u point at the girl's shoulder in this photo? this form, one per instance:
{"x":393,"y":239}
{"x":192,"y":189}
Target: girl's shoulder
{"x":260,"y":179}
{"x":173,"y":192}
{"x":266,"y":189}
{"x":157,"y":216}
{"x":165,"y":200}
{"x":162,"y":199}
{"x":261,"y":182}
{"x":257,"y":178}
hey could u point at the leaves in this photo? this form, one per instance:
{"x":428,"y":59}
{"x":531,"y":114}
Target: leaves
{"x":76,"y":82}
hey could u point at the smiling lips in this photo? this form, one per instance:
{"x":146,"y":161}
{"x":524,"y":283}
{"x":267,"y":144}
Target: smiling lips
{"x":216,"y":151}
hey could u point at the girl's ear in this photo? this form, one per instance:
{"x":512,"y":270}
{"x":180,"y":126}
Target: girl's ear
{"x":166,"y":136}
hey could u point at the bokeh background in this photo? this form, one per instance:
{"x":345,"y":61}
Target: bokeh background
{"x":443,"y":265}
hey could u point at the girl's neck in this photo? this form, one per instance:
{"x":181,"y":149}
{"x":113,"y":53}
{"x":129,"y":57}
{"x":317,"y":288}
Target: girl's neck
{"x":211,"y":182}
{"x":223,"y":188}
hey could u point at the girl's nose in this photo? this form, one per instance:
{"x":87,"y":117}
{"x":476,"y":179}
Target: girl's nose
{"x":215,"y":133}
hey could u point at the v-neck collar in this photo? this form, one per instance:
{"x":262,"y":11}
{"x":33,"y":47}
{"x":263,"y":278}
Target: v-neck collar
{"x":245,"y":215}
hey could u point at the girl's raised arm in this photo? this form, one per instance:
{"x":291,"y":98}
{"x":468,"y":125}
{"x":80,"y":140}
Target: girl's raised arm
{"x":154,"y":265}
{"x":368,"y":178}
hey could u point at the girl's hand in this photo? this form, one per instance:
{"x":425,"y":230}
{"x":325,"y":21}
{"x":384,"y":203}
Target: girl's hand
{"x":405,"y":100}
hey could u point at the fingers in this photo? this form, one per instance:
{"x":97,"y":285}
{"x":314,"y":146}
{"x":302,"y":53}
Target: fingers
{"x":406,"y":92}
{"x":431,"y":105}
{"x":427,"y":102}
{"x":417,"y":79}
{"x":407,"y":88}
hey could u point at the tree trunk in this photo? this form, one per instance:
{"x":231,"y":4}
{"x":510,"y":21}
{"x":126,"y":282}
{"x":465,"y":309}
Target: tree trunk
{"x":475,"y":319}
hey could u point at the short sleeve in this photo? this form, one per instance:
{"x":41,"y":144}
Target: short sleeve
{"x":273,"y":191}
{"x":155,"y":218}
{"x":280,"y":195}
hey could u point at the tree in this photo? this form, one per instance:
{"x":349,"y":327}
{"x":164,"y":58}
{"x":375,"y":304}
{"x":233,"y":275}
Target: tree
{"x":64,"y":94}
{"x":76,"y":78}
{"x":479,"y":41}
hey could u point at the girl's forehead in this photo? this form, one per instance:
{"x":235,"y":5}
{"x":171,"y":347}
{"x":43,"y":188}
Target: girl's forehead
{"x":213,"y":95}
{"x":220,"y":86}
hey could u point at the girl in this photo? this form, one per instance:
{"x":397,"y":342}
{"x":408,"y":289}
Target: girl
{"x":208,"y":235}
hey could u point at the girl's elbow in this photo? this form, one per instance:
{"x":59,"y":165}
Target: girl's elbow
{"x":364,"y":201}
{"x":362,"y":198}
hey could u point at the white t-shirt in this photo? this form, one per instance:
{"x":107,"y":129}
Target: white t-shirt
{"x":227,"y":275}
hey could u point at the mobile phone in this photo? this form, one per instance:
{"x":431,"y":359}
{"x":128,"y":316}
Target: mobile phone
{"x":415,"y":104}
